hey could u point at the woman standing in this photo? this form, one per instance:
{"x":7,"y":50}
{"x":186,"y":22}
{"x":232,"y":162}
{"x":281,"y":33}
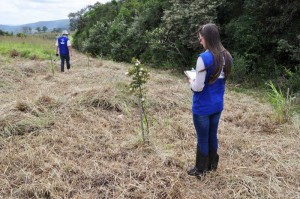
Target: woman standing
{"x":212,"y":70}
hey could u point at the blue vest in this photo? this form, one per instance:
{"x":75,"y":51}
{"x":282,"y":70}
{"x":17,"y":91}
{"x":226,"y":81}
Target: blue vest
{"x":211,"y":99}
{"x":62,"y":44}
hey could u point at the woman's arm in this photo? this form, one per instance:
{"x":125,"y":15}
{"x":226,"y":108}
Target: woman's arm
{"x":198,"y":83}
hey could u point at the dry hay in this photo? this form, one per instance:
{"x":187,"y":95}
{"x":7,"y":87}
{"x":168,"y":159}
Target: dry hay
{"x":89,"y":146}
{"x":104,"y":99}
{"x":23,"y":118}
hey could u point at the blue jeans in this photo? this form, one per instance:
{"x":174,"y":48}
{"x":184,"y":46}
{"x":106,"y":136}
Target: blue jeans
{"x":62,"y":62}
{"x":207,"y":132}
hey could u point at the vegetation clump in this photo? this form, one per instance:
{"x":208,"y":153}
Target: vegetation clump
{"x":139,"y":77}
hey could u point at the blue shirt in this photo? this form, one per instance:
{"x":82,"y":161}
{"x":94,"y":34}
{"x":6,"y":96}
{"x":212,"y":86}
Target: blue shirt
{"x":63,"y":45}
{"x":211,"y":99}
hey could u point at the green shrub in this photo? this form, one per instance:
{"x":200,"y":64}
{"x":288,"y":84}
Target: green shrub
{"x":21,"y":35}
{"x":25,"y":54}
{"x":293,"y":79}
{"x":239,"y":70}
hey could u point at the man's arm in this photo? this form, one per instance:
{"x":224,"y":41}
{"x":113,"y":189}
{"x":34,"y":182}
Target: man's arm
{"x":70,"y":48}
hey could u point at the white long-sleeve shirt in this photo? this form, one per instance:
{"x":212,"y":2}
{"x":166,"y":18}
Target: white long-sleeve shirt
{"x":198,"y":83}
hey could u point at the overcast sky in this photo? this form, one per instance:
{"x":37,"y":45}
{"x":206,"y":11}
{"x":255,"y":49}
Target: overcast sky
{"x":18,"y":12}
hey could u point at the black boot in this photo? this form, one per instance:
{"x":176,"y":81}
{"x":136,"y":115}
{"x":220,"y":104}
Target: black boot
{"x":201,"y":165}
{"x":213,"y":160}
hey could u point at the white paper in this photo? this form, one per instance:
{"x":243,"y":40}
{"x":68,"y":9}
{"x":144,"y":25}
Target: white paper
{"x":191,"y":74}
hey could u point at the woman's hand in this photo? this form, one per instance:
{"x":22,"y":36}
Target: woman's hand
{"x":191,"y":81}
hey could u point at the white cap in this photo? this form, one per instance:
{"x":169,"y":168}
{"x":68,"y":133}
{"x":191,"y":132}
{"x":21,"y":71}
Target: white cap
{"x":65,"y":32}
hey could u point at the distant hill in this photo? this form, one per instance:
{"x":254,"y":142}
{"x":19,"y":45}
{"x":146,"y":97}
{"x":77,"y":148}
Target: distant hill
{"x":63,"y":24}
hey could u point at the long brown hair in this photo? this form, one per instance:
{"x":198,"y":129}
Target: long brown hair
{"x":211,"y":35}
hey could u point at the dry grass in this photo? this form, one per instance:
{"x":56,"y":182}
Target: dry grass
{"x":76,"y":135}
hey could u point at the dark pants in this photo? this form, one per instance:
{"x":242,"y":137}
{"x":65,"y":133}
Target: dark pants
{"x":207,"y":130}
{"x":62,"y":63}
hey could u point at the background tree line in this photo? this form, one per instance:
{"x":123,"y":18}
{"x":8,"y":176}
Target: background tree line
{"x":28,"y":30}
{"x":5,"y":33}
{"x":262,"y":35}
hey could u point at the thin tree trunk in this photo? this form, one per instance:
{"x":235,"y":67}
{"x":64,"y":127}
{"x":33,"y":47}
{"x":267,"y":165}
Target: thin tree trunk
{"x":147,"y":124}
{"x":141,"y":118}
{"x":287,"y":106}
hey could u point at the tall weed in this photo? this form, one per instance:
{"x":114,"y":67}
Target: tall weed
{"x":52,"y":65}
{"x":282,"y":104}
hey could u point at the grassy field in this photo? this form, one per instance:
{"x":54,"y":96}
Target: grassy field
{"x":31,"y":47}
{"x":76,"y":135}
